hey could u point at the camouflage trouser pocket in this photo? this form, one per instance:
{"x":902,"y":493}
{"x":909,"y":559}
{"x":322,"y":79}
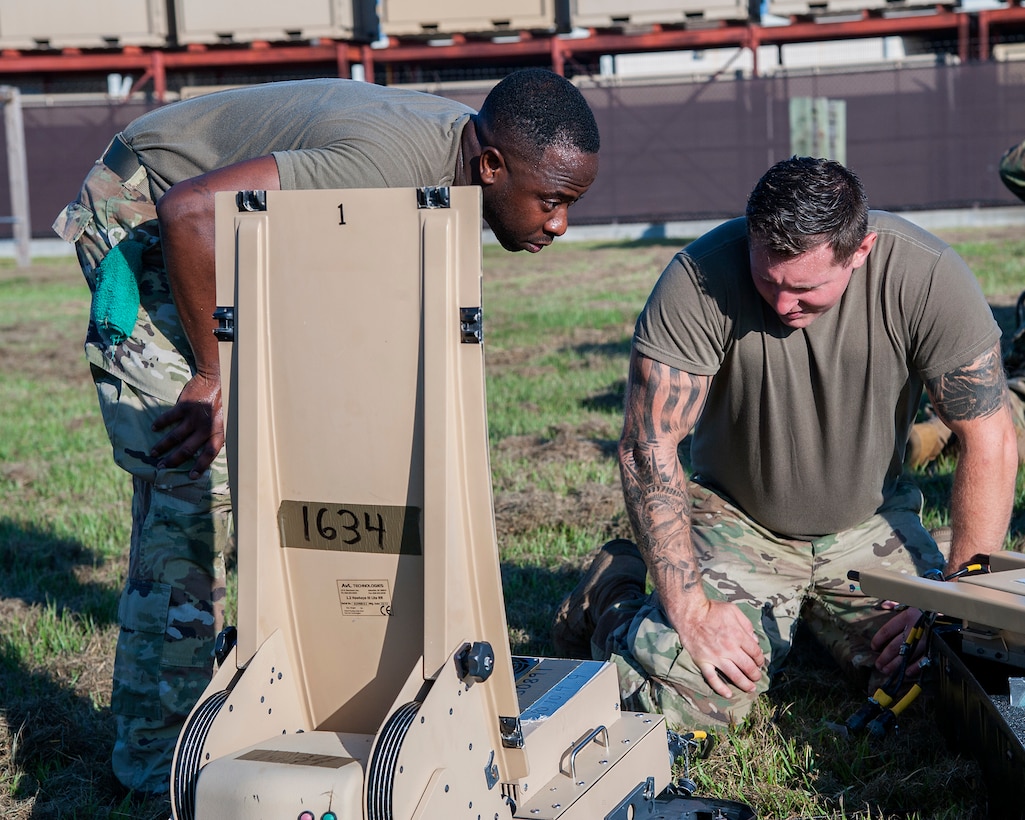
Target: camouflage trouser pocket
{"x":129,"y":426}
{"x":142,"y":613}
{"x":128,"y":415}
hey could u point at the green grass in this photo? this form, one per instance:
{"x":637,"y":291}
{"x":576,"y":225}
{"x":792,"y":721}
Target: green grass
{"x":557,"y":331}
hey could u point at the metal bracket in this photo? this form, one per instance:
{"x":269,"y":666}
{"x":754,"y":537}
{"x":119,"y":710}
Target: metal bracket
{"x":491,"y":772}
{"x":225,"y":330}
{"x":471,"y":325}
{"x":432,"y":196}
{"x":251,"y":200}
{"x":512,"y":732}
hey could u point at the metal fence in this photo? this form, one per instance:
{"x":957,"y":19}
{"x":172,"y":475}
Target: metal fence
{"x":925,"y":137}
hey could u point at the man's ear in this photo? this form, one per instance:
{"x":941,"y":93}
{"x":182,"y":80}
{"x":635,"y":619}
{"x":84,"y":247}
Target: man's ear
{"x":861,"y":254}
{"x":492,"y":165}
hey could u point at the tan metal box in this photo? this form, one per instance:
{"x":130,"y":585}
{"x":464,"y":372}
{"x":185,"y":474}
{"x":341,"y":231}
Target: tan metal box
{"x":613,"y":13}
{"x":34,"y":24}
{"x":219,"y":21}
{"x":414,"y":17}
{"x":815,"y":8}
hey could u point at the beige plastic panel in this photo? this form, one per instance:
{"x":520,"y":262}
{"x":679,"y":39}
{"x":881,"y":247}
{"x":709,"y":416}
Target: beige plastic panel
{"x":284,"y":776}
{"x":996,"y":599}
{"x":415,"y":17}
{"x":611,"y":13}
{"x":30,"y":24}
{"x":218,"y":21}
{"x":358,"y":441}
{"x":367,"y":557}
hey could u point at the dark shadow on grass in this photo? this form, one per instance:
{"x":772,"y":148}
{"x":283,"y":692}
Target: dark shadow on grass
{"x":38,"y":567}
{"x":608,"y":350}
{"x":611,"y":400}
{"x":59,"y":757}
{"x":532,"y":595}
{"x":653,"y":237}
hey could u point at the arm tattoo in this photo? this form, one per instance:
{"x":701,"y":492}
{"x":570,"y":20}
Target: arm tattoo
{"x":974,"y":391}
{"x":661,"y":408}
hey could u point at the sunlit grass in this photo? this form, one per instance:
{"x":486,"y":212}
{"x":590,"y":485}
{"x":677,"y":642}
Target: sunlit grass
{"x":557,"y":334}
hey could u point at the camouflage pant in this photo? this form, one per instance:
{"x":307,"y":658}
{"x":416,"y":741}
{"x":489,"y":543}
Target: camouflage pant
{"x":774,"y":581}
{"x":173,"y":602}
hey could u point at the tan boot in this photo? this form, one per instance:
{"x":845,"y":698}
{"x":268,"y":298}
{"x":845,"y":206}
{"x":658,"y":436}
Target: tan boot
{"x":925,"y":442}
{"x":943,"y":536}
{"x":616,"y":574}
{"x":1018,"y":415}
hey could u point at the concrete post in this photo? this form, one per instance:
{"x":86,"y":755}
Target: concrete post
{"x":17,"y":171}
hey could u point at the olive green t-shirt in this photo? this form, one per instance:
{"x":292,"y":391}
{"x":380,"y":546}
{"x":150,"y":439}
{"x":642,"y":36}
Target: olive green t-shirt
{"x":328,"y":133}
{"x":805,"y":429}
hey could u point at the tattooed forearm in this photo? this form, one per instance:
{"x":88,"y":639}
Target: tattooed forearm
{"x":662,"y":405}
{"x":974,"y":391}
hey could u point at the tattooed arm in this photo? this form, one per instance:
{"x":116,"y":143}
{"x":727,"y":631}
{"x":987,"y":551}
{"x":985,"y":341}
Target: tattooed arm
{"x":972,"y":401}
{"x":662,"y":405}
{"x":186,"y":216}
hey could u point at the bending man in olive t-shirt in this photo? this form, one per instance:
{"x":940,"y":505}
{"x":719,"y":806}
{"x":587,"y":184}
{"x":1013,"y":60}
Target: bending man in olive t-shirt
{"x":143,"y":228}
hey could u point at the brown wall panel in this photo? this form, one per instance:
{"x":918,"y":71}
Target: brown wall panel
{"x":921,"y":138}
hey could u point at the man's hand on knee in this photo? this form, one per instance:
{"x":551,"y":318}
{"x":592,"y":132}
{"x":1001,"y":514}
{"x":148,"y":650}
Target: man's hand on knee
{"x":723,"y":645}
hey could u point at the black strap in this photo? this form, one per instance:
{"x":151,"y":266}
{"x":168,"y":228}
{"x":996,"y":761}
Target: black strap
{"x":121,"y":159}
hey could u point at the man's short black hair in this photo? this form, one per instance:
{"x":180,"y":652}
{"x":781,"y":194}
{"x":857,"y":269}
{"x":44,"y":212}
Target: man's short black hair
{"x":537,"y":108}
{"x":803,"y":202}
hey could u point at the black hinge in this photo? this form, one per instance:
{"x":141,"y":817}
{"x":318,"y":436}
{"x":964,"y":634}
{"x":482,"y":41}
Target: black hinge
{"x":432,"y":196}
{"x":471,"y":326}
{"x":225,"y":330}
{"x":251,"y":200}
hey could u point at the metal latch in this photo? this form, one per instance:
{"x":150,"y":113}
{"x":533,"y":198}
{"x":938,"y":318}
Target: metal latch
{"x":251,"y":200}
{"x":511,"y":731}
{"x":225,"y":330}
{"x":432,"y":196}
{"x":471,"y":326}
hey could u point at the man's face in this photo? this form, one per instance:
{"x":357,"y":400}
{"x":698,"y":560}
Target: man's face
{"x":526,"y":204}
{"x":802,"y":288}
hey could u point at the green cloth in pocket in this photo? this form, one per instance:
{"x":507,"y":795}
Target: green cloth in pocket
{"x":115,"y":305}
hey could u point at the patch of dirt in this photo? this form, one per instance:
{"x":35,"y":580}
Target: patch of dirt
{"x":587,"y":442}
{"x":55,"y":270}
{"x":521,"y":511}
{"x":57,"y":353}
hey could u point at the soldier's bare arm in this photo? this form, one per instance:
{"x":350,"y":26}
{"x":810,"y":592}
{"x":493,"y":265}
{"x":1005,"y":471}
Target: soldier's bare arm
{"x":186,"y":214}
{"x":662,"y":405}
{"x":973,"y":401}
